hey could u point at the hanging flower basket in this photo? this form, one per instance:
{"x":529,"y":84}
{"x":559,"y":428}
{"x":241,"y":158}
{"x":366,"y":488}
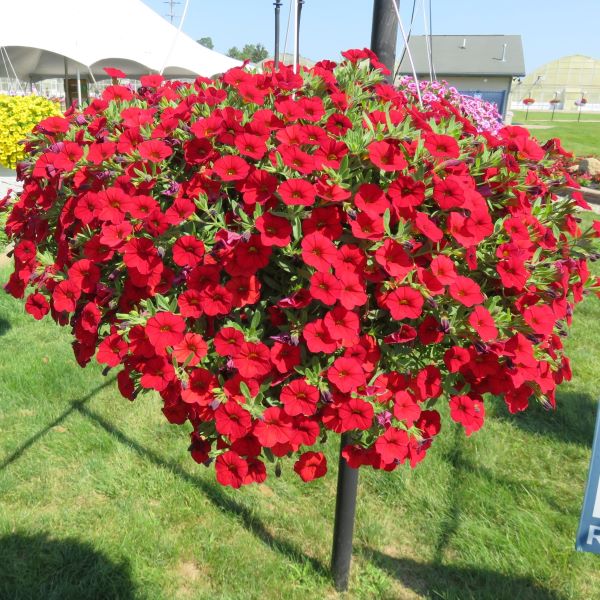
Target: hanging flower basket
{"x":528,"y":101}
{"x":283,"y":257}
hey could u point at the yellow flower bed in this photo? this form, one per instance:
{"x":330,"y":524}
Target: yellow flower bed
{"x":18,"y":115}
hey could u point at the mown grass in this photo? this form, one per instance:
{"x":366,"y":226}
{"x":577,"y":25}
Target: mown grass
{"x":99,"y":498}
{"x":582,"y":138}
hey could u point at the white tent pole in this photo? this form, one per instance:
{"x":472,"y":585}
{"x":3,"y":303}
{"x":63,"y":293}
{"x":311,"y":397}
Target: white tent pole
{"x":296,"y":40}
{"x":78,"y":88}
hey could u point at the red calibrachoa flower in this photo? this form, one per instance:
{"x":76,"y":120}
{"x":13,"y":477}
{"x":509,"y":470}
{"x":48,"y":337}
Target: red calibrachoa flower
{"x":311,"y":465}
{"x":283,"y":256}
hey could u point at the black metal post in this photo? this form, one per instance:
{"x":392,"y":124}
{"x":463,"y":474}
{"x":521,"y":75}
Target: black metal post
{"x":277,"y":4}
{"x":384,"y":33}
{"x":345,"y":508}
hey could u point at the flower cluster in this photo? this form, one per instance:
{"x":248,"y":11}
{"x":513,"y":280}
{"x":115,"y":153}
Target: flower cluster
{"x":485,"y":115}
{"x":18,"y":115}
{"x":528,"y":101}
{"x":283,"y":256}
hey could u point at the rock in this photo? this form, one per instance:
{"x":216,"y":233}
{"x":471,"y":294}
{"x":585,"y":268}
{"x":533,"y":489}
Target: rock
{"x":591,"y":166}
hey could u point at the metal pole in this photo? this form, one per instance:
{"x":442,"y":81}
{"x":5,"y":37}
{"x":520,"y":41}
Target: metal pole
{"x":277,"y":5}
{"x":297,"y":15}
{"x":384,"y":33}
{"x":78,"y":88}
{"x":345,"y":508}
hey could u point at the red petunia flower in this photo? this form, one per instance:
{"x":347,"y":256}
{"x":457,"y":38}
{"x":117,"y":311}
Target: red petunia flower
{"x":442,"y":146}
{"x":404,"y":303}
{"x":65,"y":296}
{"x":37,"y":306}
{"x":275,"y":231}
{"x":295,"y":192}
{"x":318,"y":251}
{"x":465,"y":291}
{"x":392,"y":446}
{"x":468,"y":412}
{"x":356,"y":414}
{"x":252,"y":360}
{"x":232,"y":420}
{"x":191,"y":350}
{"x":483,"y":323}
{"x":154,"y":150}
{"x":165,"y":329}
{"x":231,"y":168}
{"x":311,"y":465}
{"x":188,"y":251}
{"x":346,"y":374}
{"x":231,"y":469}
{"x":386,"y":156}
{"x":299,"y":398}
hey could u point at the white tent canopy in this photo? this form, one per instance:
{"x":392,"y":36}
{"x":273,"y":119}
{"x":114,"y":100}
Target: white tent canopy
{"x":36,"y":36}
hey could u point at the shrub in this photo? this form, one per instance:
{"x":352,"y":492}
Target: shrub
{"x":18,"y":115}
{"x":282,"y":256}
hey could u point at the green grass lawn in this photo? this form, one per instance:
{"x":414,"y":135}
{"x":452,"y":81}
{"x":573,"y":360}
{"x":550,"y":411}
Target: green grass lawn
{"x":581,"y":138}
{"x":100,"y":500}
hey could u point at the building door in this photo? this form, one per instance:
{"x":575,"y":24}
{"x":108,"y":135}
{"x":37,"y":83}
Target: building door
{"x":497,"y":98}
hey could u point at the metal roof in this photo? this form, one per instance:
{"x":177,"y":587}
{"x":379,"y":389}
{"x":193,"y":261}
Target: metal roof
{"x":467,"y":55}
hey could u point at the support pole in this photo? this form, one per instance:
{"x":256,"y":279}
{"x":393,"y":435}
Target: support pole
{"x":78,"y":87}
{"x":384,"y":34}
{"x":277,"y":5}
{"x":67,"y":103}
{"x":345,"y":508}
{"x":297,"y":14}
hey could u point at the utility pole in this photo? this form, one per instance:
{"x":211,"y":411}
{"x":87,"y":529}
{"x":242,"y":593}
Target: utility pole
{"x":171,"y":14}
{"x":384,"y":33}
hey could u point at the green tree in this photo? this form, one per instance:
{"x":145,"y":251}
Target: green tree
{"x":252,"y":52}
{"x":206,"y":42}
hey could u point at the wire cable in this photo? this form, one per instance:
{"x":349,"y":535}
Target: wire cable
{"x":431,"y":42}
{"x":412,"y":21}
{"x":287,"y":29}
{"x":410,"y":58}
{"x":13,"y":70}
{"x":176,"y":36}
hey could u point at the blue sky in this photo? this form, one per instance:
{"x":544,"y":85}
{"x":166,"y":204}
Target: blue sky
{"x":550,"y":29}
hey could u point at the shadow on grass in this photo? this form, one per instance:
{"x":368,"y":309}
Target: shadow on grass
{"x":4,"y":326}
{"x":35,"y":566}
{"x":456,"y":582}
{"x":64,"y":415}
{"x":221,"y":500}
{"x":572,"y":422}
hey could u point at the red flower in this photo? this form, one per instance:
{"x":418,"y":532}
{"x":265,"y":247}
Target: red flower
{"x":165,"y":329}
{"x":465,"y":291}
{"x":483,"y":323}
{"x":468,"y":412}
{"x":228,"y":341}
{"x":231,"y":469}
{"x":37,"y":306}
{"x":231,"y":168}
{"x":346,"y":374}
{"x":252,"y":360}
{"x":188,"y":251}
{"x":540,"y":318}
{"x":318,"y":338}
{"x":342,"y":324}
{"x":297,"y":192}
{"x":325,"y":287}
{"x":65,"y":296}
{"x":311,"y":465}
{"x":191,"y":350}
{"x":404,"y":303}
{"x":406,"y":408}
{"x":273,"y":428}
{"x":356,"y":414}
{"x":318,"y":251}
{"x":250,"y":145}
{"x":392,"y":446}
{"x":232,"y":420}
{"x":442,"y":146}
{"x":154,"y":150}
{"x":299,"y":398}
{"x":386,"y":156}
{"x":275,"y":231}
